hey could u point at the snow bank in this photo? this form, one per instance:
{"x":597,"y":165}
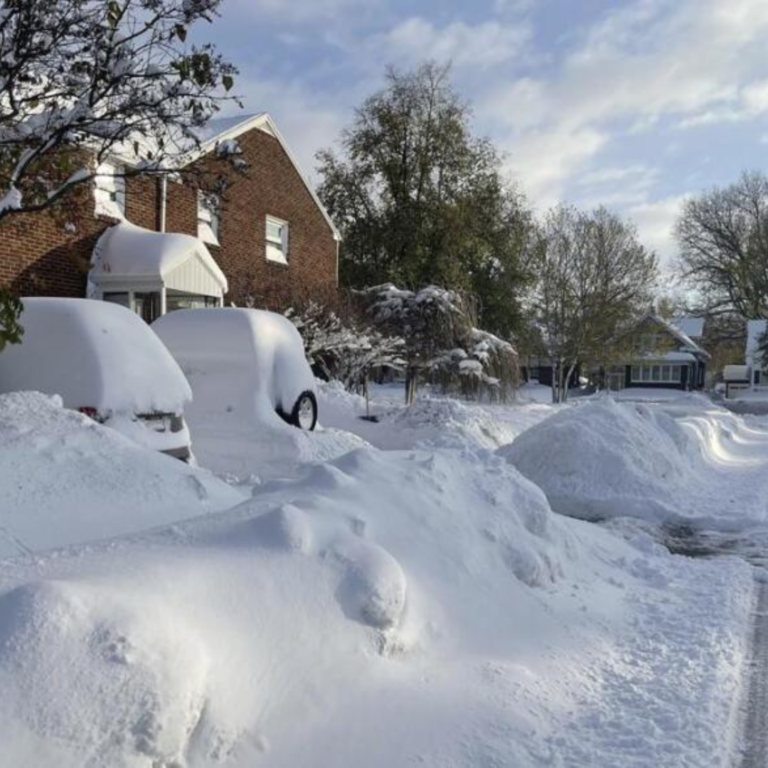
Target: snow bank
{"x":686,"y":460}
{"x":384,"y":609}
{"x":602,"y":458}
{"x":206,"y":639}
{"x":66,"y":479}
{"x":93,"y":354}
{"x":244,"y":453}
{"x":430,"y":422}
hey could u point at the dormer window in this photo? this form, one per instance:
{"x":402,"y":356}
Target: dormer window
{"x":208,"y":206}
{"x":277,"y":240}
{"x":109,"y":192}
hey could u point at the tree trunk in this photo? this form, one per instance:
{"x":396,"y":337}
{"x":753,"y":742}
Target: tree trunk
{"x":410,"y":385}
{"x":567,"y":381}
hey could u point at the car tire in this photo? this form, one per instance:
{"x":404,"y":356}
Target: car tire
{"x":304,"y":413}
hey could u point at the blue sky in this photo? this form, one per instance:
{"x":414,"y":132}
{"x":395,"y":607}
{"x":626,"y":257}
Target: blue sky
{"x":635,"y":104}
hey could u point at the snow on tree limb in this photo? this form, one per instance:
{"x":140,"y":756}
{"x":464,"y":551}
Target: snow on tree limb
{"x":84,"y":79}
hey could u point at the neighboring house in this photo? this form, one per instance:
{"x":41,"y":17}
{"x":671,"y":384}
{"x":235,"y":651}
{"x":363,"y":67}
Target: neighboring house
{"x":692,"y":327}
{"x":668,"y":359}
{"x":266,"y":240}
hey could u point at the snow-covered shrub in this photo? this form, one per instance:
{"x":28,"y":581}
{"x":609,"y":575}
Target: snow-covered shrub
{"x":344,"y":349}
{"x":442,"y":344}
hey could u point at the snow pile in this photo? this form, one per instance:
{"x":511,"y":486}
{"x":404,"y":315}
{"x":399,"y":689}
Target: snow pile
{"x":93,"y":354}
{"x":438,"y":422}
{"x":602,"y":459}
{"x":66,"y":479}
{"x":203,"y":641}
{"x":449,"y":423}
{"x":274,"y":449}
{"x":384,"y":609}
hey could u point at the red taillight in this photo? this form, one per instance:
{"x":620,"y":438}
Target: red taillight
{"x":89,"y":411}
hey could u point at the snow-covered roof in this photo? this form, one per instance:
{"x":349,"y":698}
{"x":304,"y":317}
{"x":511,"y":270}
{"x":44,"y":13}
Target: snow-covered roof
{"x":221,"y":125}
{"x":226,"y":129}
{"x":672,"y":357}
{"x":755,"y":330}
{"x":692,"y":327}
{"x":736,"y":373}
{"x":679,"y":334}
{"x":126,"y":251}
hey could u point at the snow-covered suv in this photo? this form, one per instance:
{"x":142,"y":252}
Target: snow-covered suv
{"x":244,"y":366}
{"x":105,"y":362}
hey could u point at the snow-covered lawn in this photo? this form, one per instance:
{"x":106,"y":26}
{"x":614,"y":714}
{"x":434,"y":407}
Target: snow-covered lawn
{"x":408,"y":597}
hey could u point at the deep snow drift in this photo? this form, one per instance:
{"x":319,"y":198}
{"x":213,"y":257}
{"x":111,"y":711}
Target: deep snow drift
{"x":65,"y":479}
{"x":384,"y":609}
{"x":685,"y":461}
{"x":438,"y":422}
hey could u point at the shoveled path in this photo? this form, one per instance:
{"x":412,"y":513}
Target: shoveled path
{"x":753,"y":547}
{"x":755,"y":753}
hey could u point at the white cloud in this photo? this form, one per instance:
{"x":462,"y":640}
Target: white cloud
{"x":752,"y":101}
{"x":483,"y":45}
{"x":293,"y":11}
{"x":541,"y":160}
{"x":307,"y":119}
{"x":655,"y":223}
{"x":649,"y":60}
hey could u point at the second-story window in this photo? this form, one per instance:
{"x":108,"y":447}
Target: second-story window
{"x":277,"y":240}
{"x":109,"y":193}
{"x":208,"y":206}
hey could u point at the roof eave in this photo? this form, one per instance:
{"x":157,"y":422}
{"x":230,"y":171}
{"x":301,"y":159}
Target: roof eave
{"x":258,"y":122}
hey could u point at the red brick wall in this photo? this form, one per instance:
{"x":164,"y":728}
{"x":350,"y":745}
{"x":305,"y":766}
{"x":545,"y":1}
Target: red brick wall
{"x":48,"y":253}
{"x":271,"y":186}
{"x":39,"y":255}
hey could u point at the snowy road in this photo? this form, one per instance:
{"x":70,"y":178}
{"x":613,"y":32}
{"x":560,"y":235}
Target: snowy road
{"x":755,"y":739}
{"x":752,"y":546}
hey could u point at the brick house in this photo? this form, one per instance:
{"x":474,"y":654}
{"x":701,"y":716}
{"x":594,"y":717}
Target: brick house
{"x":265,"y":240}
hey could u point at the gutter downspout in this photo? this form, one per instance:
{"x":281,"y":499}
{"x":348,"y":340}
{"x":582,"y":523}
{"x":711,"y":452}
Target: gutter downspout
{"x":163,"y":201}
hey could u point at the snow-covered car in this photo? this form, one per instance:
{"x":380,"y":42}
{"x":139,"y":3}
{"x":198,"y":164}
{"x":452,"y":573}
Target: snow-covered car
{"x":105,"y":362}
{"x":244,"y":365}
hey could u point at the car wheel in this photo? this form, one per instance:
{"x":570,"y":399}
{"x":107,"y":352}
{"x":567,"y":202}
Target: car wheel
{"x":304,"y":413}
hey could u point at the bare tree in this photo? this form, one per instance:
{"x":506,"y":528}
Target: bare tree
{"x":723,"y":239}
{"x":595,"y":280}
{"x":82,"y":79}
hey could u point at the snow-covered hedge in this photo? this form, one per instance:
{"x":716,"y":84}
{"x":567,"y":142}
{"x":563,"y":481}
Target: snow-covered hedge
{"x":344,"y":349}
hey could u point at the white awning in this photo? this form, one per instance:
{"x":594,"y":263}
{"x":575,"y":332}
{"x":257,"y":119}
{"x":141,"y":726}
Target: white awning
{"x":127,"y":257}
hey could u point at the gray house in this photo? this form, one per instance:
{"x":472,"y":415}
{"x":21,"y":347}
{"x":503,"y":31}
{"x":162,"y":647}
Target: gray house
{"x":669,"y":357}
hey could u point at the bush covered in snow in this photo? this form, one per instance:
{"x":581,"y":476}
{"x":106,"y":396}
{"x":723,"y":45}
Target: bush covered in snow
{"x":442,"y":345}
{"x":344,"y":349}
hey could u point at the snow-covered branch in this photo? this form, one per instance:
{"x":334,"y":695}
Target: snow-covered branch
{"x":81,"y":80}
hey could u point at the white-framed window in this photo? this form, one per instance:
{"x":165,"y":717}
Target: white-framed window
{"x":109,"y":192}
{"x":656,"y":374}
{"x":277,"y":240}
{"x":208,"y":206}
